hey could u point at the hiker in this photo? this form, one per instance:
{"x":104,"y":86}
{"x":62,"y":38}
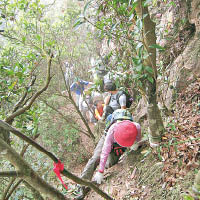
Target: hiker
{"x":69,"y":76}
{"x":122,"y":134}
{"x":99,"y":105}
{"x":78,"y":87}
{"x":99,"y":71}
{"x":86,"y":106}
{"x":113,"y":101}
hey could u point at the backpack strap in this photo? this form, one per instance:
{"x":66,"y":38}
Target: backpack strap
{"x":121,"y":92}
{"x":119,"y":150}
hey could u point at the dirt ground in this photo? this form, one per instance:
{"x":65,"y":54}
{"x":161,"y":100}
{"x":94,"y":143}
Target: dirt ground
{"x":139,"y":177}
{"x":165,"y":173}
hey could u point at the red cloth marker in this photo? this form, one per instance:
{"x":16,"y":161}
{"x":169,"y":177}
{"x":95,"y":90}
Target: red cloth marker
{"x":59,"y":167}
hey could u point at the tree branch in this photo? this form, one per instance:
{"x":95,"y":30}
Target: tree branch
{"x":8,"y":128}
{"x":74,"y":104}
{"x":36,"y":194}
{"x":13,"y":189}
{"x":10,"y":174}
{"x":37,"y":94}
{"x":5,"y":196}
{"x":65,"y":118}
{"x":25,"y":94}
{"x":66,"y":173}
{"x":29,"y":174}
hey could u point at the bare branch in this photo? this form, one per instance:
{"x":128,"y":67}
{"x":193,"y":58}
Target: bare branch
{"x":19,"y":103}
{"x":66,"y":173}
{"x":66,"y":119}
{"x":36,"y":194}
{"x":5,"y":196}
{"x":10,"y":174}
{"x":29,"y":174}
{"x":8,"y":128}
{"x":13,"y":189}
{"x":37,"y":94}
{"x":74,"y":104}
{"x":8,"y":188}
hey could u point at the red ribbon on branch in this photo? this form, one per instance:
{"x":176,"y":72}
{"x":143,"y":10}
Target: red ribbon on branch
{"x":59,"y":167}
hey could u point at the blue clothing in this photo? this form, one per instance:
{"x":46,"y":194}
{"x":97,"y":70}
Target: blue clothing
{"x":78,"y":87}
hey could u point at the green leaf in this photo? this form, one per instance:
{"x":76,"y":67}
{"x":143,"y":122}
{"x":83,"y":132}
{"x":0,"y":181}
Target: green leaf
{"x":10,"y":72}
{"x":157,"y":47}
{"x":149,"y":69}
{"x":86,"y":7}
{"x":78,"y":22}
{"x":150,"y":79}
{"x":187,"y":197}
{"x":139,"y":68}
{"x":12,"y":85}
{"x":139,"y":24}
{"x":23,"y":39}
{"x":38,"y":37}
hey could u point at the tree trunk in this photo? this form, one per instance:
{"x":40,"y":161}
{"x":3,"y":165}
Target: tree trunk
{"x":156,"y":126}
{"x":29,"y":175}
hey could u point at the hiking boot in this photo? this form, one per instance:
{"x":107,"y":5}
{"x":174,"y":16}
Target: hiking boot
{"x":81,"y":192}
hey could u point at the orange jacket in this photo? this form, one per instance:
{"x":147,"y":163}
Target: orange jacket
{"x":99,"y":111}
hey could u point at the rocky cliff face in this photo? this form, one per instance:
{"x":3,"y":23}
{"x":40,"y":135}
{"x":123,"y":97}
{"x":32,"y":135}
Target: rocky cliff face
{"x":178,"y":31}
{"x":180,"y":22}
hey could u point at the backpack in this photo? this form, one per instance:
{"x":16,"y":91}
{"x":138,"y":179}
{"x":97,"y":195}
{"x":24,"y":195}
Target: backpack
{"x":117,"y":149}
{"x":129,"y":99}
{"x":119,"y":114}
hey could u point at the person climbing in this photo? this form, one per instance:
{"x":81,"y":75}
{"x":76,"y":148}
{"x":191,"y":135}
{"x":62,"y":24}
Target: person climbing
{"x":78,"y":87}
{"x":69,"y":76}
{"x":113,"y":101}
{"x":99,"y":71}
{"x":86,"y":106}
{"x":122,"y":133}
{"x":99,"y":105}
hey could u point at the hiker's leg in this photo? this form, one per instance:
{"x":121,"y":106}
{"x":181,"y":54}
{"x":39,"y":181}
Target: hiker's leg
{"x":112,"y":159}
{"x":91,"y":115}
{"x":94,"y":161}
{"x":78,"y":100}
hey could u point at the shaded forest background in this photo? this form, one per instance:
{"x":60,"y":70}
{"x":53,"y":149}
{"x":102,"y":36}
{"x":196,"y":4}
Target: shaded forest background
{"x":37,"y":38}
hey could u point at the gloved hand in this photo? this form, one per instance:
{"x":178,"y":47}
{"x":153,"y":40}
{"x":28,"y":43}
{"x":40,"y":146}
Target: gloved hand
{"x":98,"y":177}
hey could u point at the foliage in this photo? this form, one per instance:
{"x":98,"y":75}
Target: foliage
{"x":31,"y":36}
{"x":118,"y":25}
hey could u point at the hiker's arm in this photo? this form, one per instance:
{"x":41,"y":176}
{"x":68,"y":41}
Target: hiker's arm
{"x":87,"y":83}
{"x":90,"y":83}
{"x":72,"y":87}
{"x":122,"y":101}
{"x":109,"y":140}
{"x":137,"y":143}
{"x":106,"y":102}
